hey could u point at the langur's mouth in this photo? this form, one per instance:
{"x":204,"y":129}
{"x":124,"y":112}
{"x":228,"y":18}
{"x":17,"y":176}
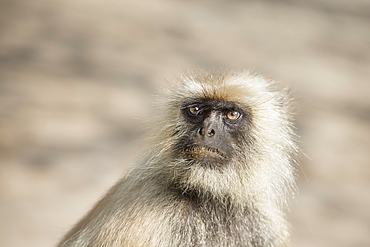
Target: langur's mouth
{"x":201,"y":151}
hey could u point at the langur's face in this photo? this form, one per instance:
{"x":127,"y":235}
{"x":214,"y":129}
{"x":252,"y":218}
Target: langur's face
{"x":214,"y":128}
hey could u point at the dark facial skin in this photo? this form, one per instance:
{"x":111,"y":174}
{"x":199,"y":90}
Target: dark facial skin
{"x":213,"y":127}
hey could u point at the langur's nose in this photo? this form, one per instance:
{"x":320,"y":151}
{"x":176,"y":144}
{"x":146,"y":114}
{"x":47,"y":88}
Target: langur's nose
{"x":208,"y":132}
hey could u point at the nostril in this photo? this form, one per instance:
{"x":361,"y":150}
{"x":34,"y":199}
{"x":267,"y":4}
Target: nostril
{"x":201,"y":131}
{"x":211,"y":132}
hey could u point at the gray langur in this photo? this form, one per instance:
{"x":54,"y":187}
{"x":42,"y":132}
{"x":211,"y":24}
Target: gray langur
{"x":218,"y":171}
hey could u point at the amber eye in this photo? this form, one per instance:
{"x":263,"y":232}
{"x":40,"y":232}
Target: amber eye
{"x":195,"y":110}
{"x":233,"y":115}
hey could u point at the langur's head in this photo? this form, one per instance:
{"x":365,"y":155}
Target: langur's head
{"x":227,"y":135}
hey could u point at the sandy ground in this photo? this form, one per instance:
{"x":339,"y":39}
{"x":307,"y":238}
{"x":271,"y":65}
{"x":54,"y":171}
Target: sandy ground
{"x":76,"y":79}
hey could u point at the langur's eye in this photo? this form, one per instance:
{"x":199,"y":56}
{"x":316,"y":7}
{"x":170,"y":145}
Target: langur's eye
{"x":233,"y":115}
{"x":195,"y":110}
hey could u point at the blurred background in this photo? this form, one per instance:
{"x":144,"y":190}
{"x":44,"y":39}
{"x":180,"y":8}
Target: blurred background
{"x":77,"y":79}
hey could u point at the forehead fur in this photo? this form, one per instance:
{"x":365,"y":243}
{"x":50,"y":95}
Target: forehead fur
{"x":244,"y":88}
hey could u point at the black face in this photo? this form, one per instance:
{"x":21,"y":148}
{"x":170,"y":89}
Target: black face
{"x":214,"y":128}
